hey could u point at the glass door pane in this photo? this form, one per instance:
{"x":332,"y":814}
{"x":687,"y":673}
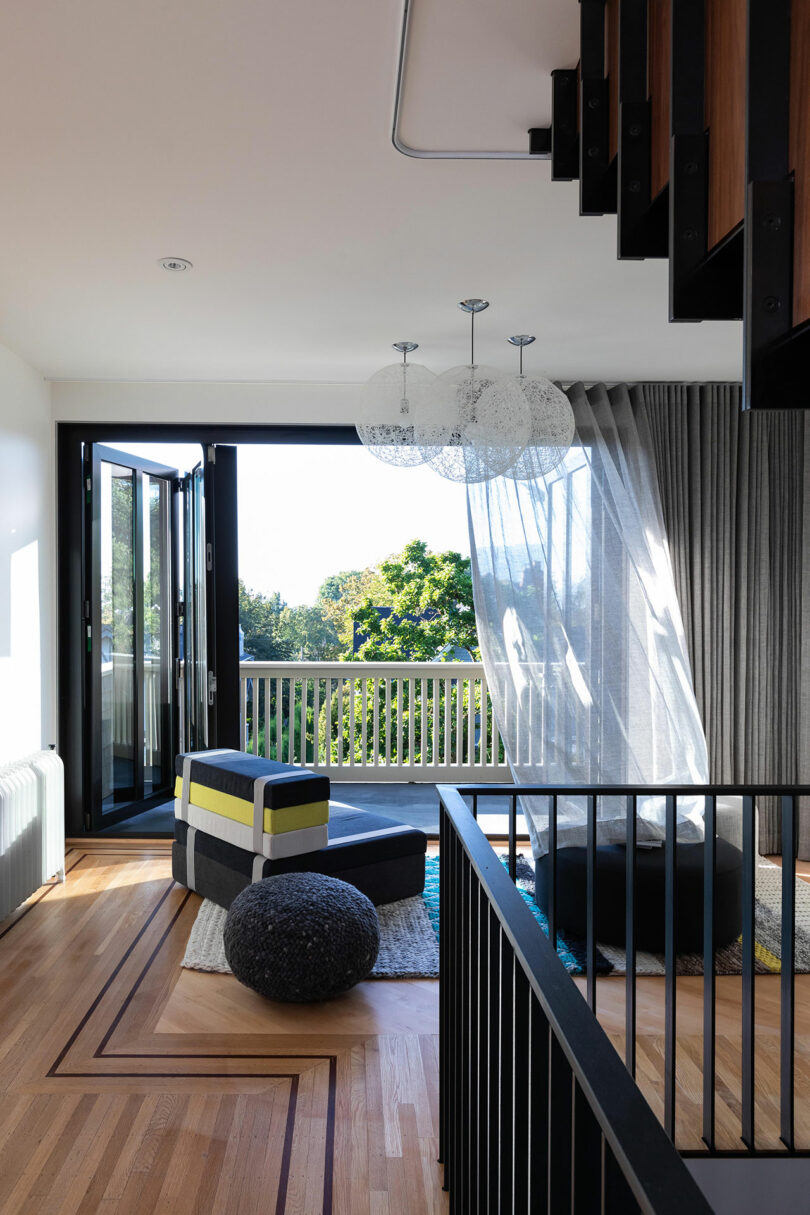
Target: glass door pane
{"x":117,"y":556}
{"x":157,"y":634}
{"x":194,"y":643}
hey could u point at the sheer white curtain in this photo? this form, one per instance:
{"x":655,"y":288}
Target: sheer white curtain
{"x":580,"y":628}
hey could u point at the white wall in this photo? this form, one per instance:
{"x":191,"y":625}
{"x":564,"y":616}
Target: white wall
{"x":210,"y":403}
{"x":27,"y":561}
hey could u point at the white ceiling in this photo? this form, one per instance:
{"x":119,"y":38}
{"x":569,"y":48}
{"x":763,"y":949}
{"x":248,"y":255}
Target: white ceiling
{"x":254,"y":138}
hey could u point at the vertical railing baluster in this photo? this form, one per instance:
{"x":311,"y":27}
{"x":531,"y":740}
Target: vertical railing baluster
{"x":560,"y":1142}
{"x":521,"y":1108}
{"x":787,"y":1062}
{"x":507,"y":1128}
{"x":375,"y":691}
{"x":496,"y":978}
{"x":586,"y":1157}
{"x":748,"y":941}
{"x":551,"y":910}
{"x":316,"y":719}
{"x":670,"y":982}
{"x":256,"y":717}
{"x":424,"y":724}
{"x":279,"y":722}
{"x":630,"y":937}
{"x":482,"y":728}
{"x":477,"y":896}
{"x":507,"y":706}
{"x":491,"y":730}
{"x":266,"y":718}
{"x":363,"y":721}
{"x":399,"y":721}
{"x":617,"y":1198}
{"x":434,"y":749}
{"x":304,"y":705}
{"x":455,"y":962}
{"x":484,"y":982}
{"x":340,"y":680}
{"x":590,"y":936}
{"x":353,"y":720}
{"x":293,"y":717}
{"x":411,"y":720}
{"x":447,"y":755}
{"x":459,"y":756}
{"x":243,"y":730}
{"x":709,"y":983}
{"x":387,"y":726}
{"x":538,"y":1105}
{"x":471,"y":722}
{"x":513,"y":837}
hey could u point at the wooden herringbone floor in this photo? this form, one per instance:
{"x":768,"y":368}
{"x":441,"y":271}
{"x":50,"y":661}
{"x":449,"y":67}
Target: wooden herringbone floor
{"x":129,"y":1086}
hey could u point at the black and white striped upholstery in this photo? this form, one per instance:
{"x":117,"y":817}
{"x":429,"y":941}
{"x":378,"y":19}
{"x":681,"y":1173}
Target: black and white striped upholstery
{"x":382,"y":858}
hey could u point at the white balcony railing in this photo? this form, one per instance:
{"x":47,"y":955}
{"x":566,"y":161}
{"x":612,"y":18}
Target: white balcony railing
{"x":356,"y":721}
{"x":363,"y":721}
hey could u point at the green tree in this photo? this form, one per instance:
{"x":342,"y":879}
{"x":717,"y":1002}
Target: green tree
{"x":419,"y":583}
{"x":309,"y":633}
{"x":260,"y":618}
{"x":334,"y":587}
{"x":342,"y":595}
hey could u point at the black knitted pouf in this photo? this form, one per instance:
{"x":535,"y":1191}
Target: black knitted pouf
{"x":300,"y":937}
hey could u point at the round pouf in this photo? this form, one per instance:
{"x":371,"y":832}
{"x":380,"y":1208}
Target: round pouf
{"x":611,"y":884}
{"x":301,"y":937}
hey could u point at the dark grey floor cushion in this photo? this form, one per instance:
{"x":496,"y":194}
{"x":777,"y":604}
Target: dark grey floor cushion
{"x":383,"y":858}
{"x":611,"y":871}
{"x":301,"y":937}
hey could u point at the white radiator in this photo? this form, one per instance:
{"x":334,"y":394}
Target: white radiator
{"x":32,"y":826}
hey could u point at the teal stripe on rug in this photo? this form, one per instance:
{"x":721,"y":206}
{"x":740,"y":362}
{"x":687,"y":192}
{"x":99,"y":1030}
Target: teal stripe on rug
{"x":570,"y":953}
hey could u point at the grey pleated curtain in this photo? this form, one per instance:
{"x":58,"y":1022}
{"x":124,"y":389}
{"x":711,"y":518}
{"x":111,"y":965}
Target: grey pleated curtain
{"x":735,"y":495}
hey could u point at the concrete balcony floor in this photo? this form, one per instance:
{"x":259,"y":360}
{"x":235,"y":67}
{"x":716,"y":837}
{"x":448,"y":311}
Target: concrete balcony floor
{"x":416,"y":804}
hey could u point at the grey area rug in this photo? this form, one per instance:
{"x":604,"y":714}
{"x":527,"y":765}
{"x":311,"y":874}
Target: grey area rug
{"x":408,"y":945}
{"x":768,"y":935}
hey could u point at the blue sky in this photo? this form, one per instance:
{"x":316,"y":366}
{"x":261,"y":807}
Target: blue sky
{"x":306,"y":512}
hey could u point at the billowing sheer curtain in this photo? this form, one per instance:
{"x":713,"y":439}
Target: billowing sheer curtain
{"x":581,"y":632}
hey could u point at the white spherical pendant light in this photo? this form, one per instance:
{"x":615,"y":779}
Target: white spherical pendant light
{"x":484,"y":414}
{"x":389,"y":403}
{"x":552,"y":422}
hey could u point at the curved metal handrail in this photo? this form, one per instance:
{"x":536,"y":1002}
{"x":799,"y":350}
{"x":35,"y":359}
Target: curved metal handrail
{"x":425,"y":153}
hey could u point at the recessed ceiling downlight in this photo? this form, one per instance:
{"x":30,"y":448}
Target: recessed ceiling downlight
{"x":175,"y":264}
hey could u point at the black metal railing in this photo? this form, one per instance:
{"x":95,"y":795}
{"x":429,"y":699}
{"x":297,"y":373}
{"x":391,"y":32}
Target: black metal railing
{"x":747,"y":800}
{"x":537,"y":1111}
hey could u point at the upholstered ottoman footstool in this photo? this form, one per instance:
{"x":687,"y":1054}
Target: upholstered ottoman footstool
{"x":382,"y":858}
{"x":611,"y":869}
{"x":267,"y":808}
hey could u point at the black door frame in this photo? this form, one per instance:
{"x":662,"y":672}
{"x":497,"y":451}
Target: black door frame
{"x":71,"y":437}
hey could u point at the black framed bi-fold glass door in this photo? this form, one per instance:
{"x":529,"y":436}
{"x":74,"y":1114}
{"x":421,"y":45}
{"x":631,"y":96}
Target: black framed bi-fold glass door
{"x":131,"y":632}
{"x":195,"y":560}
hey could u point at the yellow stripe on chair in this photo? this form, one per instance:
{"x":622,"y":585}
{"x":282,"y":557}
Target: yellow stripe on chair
{"x":276,"y":822}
